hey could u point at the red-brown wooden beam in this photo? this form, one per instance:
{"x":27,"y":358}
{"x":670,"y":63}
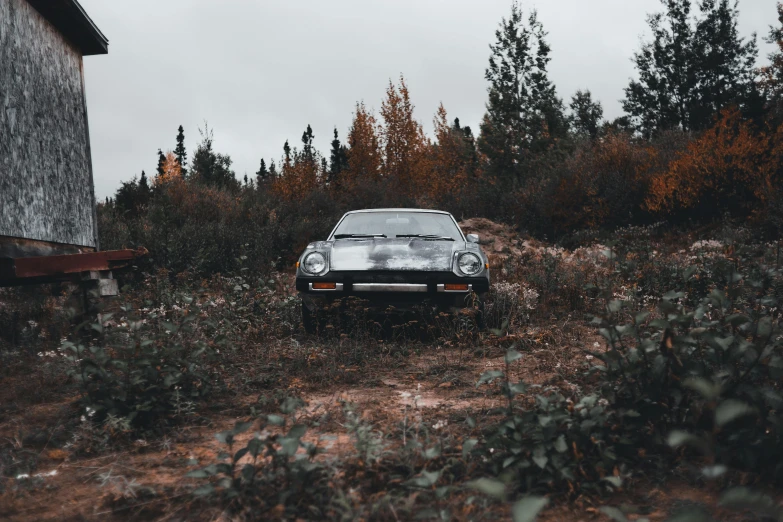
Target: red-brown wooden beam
{"x":54,"y":266}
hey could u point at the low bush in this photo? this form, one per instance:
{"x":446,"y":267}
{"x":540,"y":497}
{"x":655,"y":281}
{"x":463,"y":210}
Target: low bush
{"x":276,"y":473}
{"x":704,"y":370}
{"x":509,"y":303}
{"x":146,"y":366}
{"x":548,"y":441}
{"x":692,"y":378}
{"x":558,"y":278}
{"x":265,"y":476}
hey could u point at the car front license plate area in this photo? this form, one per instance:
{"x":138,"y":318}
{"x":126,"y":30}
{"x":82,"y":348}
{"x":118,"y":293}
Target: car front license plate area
{"x":390,"y":287}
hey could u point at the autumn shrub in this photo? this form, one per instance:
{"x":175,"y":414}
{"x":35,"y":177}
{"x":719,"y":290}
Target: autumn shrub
{"x":186,"y":226}
{"x":191,"y":227}
{"x":601,"y":183}
{"x":731,"y":167}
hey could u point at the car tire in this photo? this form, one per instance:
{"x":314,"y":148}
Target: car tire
{"x":309,"y":320}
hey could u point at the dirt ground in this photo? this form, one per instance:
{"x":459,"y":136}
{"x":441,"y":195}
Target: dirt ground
{"x":144,"y":480}
{"x":77,"y":476}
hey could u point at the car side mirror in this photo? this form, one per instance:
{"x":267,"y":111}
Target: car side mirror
{"x":472,"y":238}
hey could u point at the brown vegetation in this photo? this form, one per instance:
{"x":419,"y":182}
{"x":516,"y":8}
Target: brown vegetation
{"x":381,"y":410}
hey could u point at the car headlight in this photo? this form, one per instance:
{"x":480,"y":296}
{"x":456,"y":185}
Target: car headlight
{"x":469,"y":264}
{"x":314,"y":263}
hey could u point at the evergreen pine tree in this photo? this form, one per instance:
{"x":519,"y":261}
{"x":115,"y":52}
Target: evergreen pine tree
{"x":324,"y":173}
{"x":772,"y":74}
{"x":307,"y":145}
{"x":133,"y":196}
{"x":469,"y":152}
{"x":161,"y":162}
{"x":338,"y":160}
{"x":273,"y":174}
{"x":263,"y":173}
{"x":287,"y":157}
{"x":586,"y":115}
{"x":692,"y":69}
{"x":180,"y":152}
{"x":726,"y":64}
{"x":211,"y":168}
{"x":524,"y":115}
{"x":144,"y":185}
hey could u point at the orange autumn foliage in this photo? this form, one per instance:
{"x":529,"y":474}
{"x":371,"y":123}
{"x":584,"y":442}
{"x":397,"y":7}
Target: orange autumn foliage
{"x":201,"y":203}
{"x":730,"y":167}
{"x":171,"y":170}
{"x":298,"y":178}
{"x":364,"y":152}
{"x":405,"y":147}
{"x":391,"y":157}
{"x":448,"y":169}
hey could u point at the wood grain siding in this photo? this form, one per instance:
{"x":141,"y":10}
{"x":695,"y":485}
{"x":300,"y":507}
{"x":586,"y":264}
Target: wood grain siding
{"x":46,"y":189}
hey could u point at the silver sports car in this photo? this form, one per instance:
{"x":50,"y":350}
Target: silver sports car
{"x":398,"y":257}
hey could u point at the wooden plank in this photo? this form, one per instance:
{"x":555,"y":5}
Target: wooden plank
{"x":47,"y":266}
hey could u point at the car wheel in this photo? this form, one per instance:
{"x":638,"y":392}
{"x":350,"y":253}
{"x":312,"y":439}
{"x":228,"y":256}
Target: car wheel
{"x":309,"y":320}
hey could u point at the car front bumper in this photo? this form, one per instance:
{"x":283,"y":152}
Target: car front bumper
{"x":418,"y":288}
{"x":401,"y":290}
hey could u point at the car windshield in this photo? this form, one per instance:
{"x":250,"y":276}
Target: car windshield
{"x":398,"y":224}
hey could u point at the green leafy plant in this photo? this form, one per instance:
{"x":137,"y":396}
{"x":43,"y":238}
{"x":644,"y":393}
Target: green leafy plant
{"x":710,"y":371}
{"x":553,"y":443}
{"x":267,"y":475}
{"x":143,"y":367}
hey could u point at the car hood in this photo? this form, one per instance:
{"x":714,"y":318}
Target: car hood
{"x":393,"y":254}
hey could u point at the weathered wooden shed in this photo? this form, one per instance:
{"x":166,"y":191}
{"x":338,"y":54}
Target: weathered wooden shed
{"x":47,"y":201}
{"x":48,"y":224}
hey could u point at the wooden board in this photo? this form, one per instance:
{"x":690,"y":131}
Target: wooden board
{"x":46,"y":185}
{"x":40,"y":269}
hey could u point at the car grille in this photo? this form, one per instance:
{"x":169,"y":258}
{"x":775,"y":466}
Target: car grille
{"x":396,"y":277}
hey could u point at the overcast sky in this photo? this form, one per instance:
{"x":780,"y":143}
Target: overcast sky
{"x":260,"y":71}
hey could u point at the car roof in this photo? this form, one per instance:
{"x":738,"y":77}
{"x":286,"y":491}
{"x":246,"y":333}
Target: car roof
{"x":397,"y":210}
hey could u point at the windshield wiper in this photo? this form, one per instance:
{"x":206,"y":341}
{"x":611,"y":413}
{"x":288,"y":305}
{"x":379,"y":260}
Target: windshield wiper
{"x":427,"y":236}
{"x":358,"y":236}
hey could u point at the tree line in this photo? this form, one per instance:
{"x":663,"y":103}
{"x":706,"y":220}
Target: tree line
{"x":701,"y":136}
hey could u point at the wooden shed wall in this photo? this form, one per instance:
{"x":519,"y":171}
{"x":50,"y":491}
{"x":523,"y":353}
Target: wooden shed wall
{"x":46,"y":186}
